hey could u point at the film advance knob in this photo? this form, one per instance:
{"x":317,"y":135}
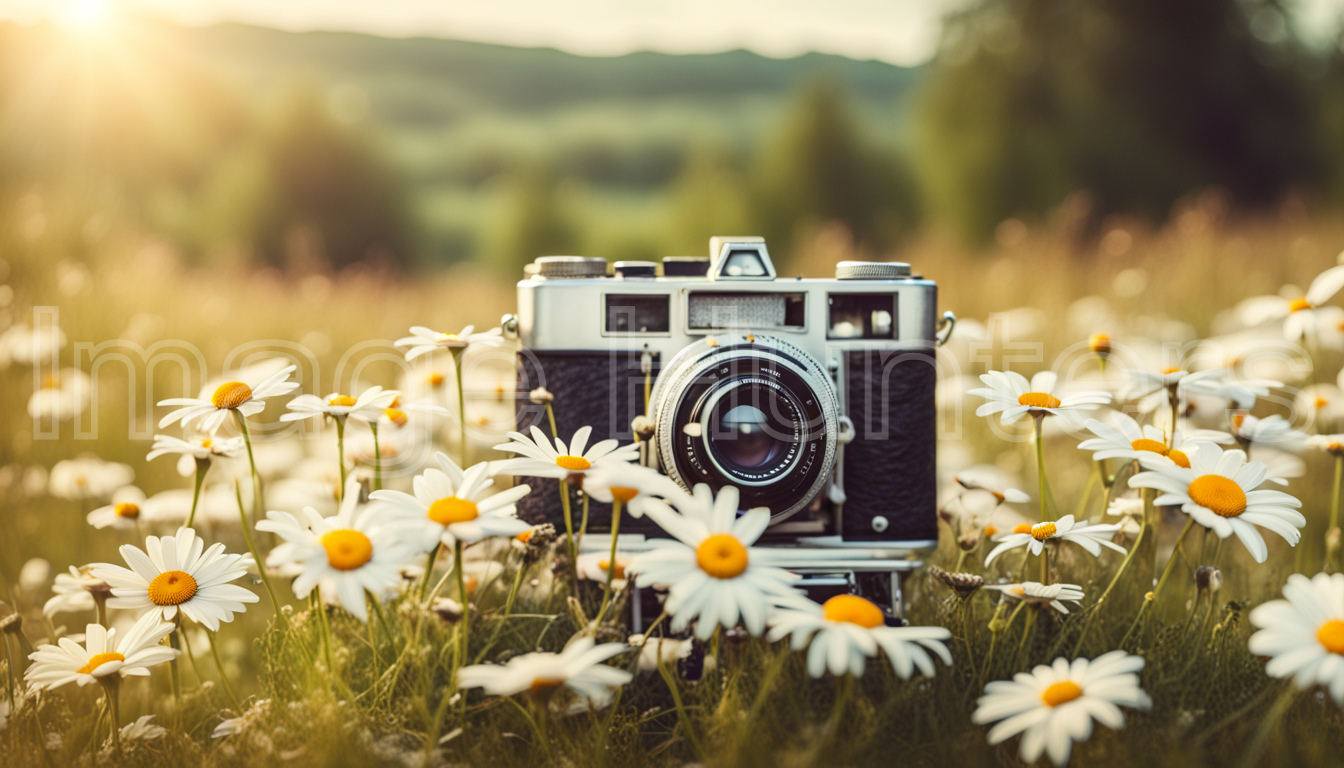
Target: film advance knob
{"x":571,"y":266}
{"x":871,"y":270}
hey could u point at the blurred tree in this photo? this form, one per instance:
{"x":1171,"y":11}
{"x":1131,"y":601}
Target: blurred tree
{"x":532,"y":222}
{"x":819,"y":171}
{"x":708,"y":198}
{"x":307,"y":192}
{"x":1136,"y":101}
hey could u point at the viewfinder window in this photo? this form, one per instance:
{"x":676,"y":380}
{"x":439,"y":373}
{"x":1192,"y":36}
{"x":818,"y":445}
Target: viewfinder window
{"x":744,"y":263}
{"x":862,"y":316}
{"x":637,"y":313}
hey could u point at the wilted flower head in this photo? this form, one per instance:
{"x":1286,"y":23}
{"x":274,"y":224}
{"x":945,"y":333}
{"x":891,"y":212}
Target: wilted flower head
{"x":964,"y":584}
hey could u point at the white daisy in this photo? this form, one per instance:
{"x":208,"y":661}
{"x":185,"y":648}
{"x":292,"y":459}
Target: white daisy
{"x":578,"y":668}
{"x":713,"y":574}
{"x":632,"y":483}
{"x":367,"y":407}
{"x":122,"y":513}
{"x":102,"y":654}
{"x":1274,"y":430}
{"x":1001,"y":494}
{"x":1054,"y":706}
{"x":62,"y":396}
{"x":345,"y":554}
{"x":1088,"y":536}
{"x":1123,"y":438}
{"x":595,"y":566}
{"x":1218,"y":490}
{"x":1332,"y":444}
{"x":1302,"y":313}
{"x":87,"y":477}
{"x":1304,"y":633}
{"x":540,"y":457}
{"x":842,"y":633}
{"x":178,"y":573}
{"x":451,"y":504}
{"x":1054,"y":595}
{"x":73,"y":592}
{"x":1324,"y":403}
{"x":424,"y":340}
{"x":143,"y":729}
{"x":208,"y":411}
{"x":27,"y":345}
{"x":195,"y":449}
{"x":1010,"y":394}
{"x":666,"y":651}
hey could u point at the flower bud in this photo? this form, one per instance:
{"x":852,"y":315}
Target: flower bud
{"x":1208,"y":578}
{"x":1100,"y":344}
{"x":541,"y":396}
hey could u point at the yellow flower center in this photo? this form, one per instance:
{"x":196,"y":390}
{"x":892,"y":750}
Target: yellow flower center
{"x":1061,"y":693}
{"x":1145,"y":444}
{"x":451,"y":509}
{"x":127,"y":509}
{"x":525,"y":536}
{"x":434,"y":379}
{"x":721,"y":556}
{"x":51,"y":381}
{"x":343,"y":400}
{"x":1038,"y":400}
{"x":573,"y":463}
{"x":544,"y":683}
{"x":1100,"y":343}
{"x":172,"y":588}
{"x":1042,"y":531}
{"x":347,"y":549}
{"x":623,"y":495}
{"x":99,"y":659}
{"x":1022,"y":528}
{"x":206,"y":443}
{"x":1179,"y":457}
{"x":1320,"y":402}
{"x":1331,"y":635}
{"x":231,"y":394}
{"x":1297,"y":305}
{"x":395,"y":416}
{"x":990,"y":530}
{"x":1218,"y":494}
{"x":605,"y":566}
{"x":852,"y":609}
{"x":1169,"y":371}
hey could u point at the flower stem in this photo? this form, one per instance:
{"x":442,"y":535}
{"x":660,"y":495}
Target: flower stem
{"x":340,"y":456}
{"x":252,"y":549}
{"x":461,"y":404}
{"x":1096,"y":608}
{"x":1328,"y":567}
{"x":111,"y":685}
{"x":1040,"y":467}
{"x":257,"y":492}
{"x":429,"y":569}
{"x":223,"y":676}
{"x":1171,"y":559}
{"x":464,"y":625}
{"x":611,"y":564}
{"x":550,"y":416}
{"x":1251,"y":755}
{"x":377,"y":458}
{"x":569,"y":527}
{"x":202,"y":465}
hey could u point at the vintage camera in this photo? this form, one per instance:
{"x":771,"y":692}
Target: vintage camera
{"x":814,"y":397}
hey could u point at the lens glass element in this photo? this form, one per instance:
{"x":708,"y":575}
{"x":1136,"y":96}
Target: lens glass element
{"x":754,"y":431}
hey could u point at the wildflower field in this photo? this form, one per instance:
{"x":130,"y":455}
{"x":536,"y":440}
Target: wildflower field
{"x":300,"y":545}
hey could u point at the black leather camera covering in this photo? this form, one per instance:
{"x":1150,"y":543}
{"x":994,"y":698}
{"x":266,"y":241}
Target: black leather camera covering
{"x":890,"y":469}
{"x":597,"y":388}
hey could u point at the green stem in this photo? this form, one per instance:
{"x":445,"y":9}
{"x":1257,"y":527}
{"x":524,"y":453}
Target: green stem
{"x":252,"y":549}
{"x":1092,"y":479}
{"x":1040,"y":467}
{"x":461,"y":403}
{"x":1171,"y":560}
{"x":1334,"y":513}
{"x":340,"y":455}
{"x":202,"y":465}
{"x":1096,"y":608}
{"x":429,"y":569}
{"x":569,"y":527}
{"x":377,"y":458}
{"x":258,"y":494}
{"x":464,"y":626}
{"x":223,"y":676}
{"x":550,"y":416}
{"x":1251,"y":755}
{"x":326,"y":630}
{"x":175,"y":673}
{"x":670,"y":679}
{"x":611,"y":564}
{"x":583,"y":523}
{"x":111,"y":685}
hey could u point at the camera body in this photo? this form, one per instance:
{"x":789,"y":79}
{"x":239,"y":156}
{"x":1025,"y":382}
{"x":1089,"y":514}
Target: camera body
{"x":815,"y":397}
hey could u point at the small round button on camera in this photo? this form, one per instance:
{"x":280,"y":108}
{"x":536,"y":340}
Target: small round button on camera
{"x":880,"y":524}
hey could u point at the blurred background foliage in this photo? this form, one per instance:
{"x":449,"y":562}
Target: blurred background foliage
{"x":306,"y":152}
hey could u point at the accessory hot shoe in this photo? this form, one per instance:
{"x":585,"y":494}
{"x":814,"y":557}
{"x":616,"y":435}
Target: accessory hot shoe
{"x":178,"y":573}
{"x":1219,"y":491}
{"x":713,"y":574}
{"x":845,"y":631}
{"x":102,"y":654}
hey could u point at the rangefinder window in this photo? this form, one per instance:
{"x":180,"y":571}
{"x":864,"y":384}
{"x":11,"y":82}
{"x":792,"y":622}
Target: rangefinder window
{"x":862,"y":316}
{"x":716,"y":310}
{"x":637,"y":313}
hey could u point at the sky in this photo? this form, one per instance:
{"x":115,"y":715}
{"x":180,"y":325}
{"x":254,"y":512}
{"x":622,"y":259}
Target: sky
{"x":903,"y":32}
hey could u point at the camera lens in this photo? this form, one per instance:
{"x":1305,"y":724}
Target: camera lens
{"x":754,"y":412}
{"x":753,"y":432}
